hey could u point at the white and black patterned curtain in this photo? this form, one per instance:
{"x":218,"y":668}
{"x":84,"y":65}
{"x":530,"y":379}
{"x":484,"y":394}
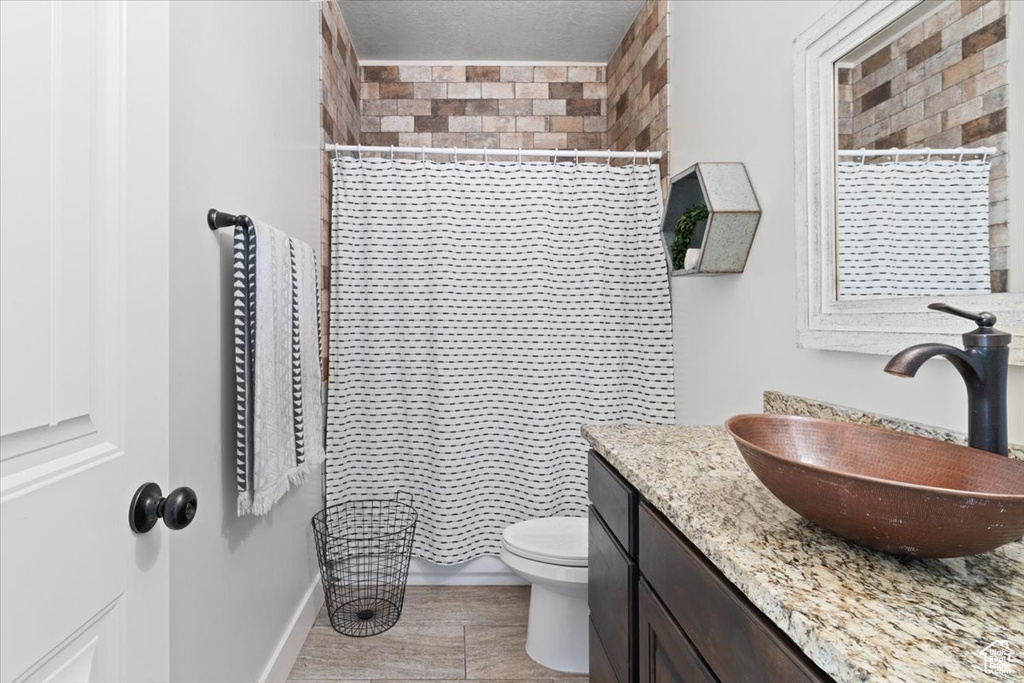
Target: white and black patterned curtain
{"x":913,"y":228}
{"x":480,"y":313}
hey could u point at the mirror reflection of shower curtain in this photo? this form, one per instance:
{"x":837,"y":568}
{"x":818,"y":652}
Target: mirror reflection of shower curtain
{"x":913,"y":228}
{"x":480,"y":313}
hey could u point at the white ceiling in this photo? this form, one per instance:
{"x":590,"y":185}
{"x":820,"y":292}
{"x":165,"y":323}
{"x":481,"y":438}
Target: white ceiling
{"x":488,"y":30}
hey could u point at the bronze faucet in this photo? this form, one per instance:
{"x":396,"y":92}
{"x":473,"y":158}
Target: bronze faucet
{"x":983,"y":364}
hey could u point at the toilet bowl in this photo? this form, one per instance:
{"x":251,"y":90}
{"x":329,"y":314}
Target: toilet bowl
{"x":551,"y":553}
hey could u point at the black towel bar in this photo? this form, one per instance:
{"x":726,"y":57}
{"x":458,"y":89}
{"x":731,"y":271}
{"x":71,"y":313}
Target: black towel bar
{"x":218,"y":219}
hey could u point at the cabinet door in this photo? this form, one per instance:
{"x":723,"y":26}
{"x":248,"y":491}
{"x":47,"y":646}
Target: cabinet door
{"x":612,"y":596}
{"x":666,"y":655}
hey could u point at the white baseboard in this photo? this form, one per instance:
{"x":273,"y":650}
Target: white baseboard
{"x":483,"y":571}
{"x":287,"y":650}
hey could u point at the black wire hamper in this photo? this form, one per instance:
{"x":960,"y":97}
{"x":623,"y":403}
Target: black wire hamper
{"x":364,"y":547}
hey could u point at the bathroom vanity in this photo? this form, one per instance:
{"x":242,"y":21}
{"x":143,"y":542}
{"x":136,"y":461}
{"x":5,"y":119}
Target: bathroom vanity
{"x":697,"y":573}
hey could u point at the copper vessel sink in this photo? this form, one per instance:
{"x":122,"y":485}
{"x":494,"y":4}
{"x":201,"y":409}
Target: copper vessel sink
{"x":894,"y":492}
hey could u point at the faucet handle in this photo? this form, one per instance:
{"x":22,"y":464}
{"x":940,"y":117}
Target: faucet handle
{"x":982,"y":319}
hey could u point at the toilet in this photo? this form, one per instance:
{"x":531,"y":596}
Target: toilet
{"x":551,"y":553}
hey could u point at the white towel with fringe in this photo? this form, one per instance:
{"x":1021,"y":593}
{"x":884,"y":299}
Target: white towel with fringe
{"x":280,"y":420}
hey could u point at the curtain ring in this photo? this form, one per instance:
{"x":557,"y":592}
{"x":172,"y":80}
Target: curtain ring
{"x":455,"y":154}
{"x":984,"y":157}
{"x":576,"y":156}
{"x":520,"y":155}
{"x":960,"y":160}
{"x":423,"y":153}
{"x":648,"y":157}
{"x":392,"y":152}
{"x":334,"y":150}
{"x":634,"y":157}
{"x":928,"y":159}
{"x":897,"y":155}
{"x":863,"y":155}
{"x":485,"y":154}
{"x":359,"y":152}
{"x":608,"y":160}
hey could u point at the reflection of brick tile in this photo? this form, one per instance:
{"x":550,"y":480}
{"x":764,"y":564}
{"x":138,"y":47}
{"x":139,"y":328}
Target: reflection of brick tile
{"x":876,"y":61}
{"x":984,"y":126}
{"x":897,"y":139}
{"x":875,"y":97}
{"x":963,"y":70}
{"x":923,"y":50}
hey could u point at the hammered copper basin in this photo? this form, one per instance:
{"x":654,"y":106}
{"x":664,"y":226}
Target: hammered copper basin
{"x":894,"y":492}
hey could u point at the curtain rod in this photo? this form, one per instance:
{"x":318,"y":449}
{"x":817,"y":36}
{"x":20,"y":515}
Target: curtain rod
{"x":455,"y":151}
{"x":915,"y":152}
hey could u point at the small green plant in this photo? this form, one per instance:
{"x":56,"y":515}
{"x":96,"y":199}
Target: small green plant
{"x":685,"y":227}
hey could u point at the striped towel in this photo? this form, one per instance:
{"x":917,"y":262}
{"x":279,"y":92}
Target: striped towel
{"x":280,"y":418}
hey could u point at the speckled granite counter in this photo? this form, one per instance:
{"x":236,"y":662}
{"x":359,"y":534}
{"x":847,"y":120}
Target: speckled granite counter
{"x":858,"y":614}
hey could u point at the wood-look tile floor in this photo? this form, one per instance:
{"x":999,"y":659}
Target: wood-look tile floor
{"x":446,"y":633}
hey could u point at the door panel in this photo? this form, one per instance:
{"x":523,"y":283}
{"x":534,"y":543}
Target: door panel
{"x":80,"y":426}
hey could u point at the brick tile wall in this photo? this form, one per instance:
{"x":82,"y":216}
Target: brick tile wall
{"x":528,"y":107}
{"x":637,"y":110}
{"x":942,"y":84}
{"x":620,"y":106}
{"x":339,"y":122}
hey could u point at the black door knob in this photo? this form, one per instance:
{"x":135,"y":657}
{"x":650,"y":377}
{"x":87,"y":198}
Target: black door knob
{"x":149,"y":504}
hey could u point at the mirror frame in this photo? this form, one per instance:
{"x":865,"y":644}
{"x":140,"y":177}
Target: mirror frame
{"x":876,"y":326}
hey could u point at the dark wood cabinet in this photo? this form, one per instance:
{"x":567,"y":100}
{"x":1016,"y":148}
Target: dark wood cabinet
{"x":661,"y":611}
{"x":666,"y":654}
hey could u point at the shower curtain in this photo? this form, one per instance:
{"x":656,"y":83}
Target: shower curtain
{"x":480,"y":313}
{"x":913,"y":228}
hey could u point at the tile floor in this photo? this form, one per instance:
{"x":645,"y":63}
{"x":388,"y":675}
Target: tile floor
{"x":446,"y":633}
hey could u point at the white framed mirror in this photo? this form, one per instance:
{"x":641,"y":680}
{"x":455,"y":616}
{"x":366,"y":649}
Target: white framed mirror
{"x":908,"y":132}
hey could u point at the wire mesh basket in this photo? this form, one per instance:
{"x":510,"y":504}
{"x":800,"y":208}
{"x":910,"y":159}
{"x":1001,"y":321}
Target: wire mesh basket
{"x":364,"y":547}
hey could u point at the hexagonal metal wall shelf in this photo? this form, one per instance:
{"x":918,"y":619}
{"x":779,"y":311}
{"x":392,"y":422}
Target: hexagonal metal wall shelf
{"x":724,"y":239}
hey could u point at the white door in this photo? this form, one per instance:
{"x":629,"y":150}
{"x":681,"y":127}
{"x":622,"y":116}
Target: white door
{"x":83,"y":339}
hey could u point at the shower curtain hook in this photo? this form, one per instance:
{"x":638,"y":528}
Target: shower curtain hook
{"x":608,"y":159}
{"x":634,"y":157}
{"x":485,"y":154}
{"x":928,"y":159}
{"x":520,"y":155}
{"x":984,"y":157}
{"x":455,"y":154}
{"x":863,"y":155}
{"x":359,"y":152}
{"x":392,"y":152}
{"x":648,"y":157}
{"x":897,"y":155}
{"x":423,"y":153}
{"x":576,"y":155}
{"x":961,"y":159}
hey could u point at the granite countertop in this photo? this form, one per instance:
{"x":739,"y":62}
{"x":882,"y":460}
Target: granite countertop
{"x":860,"y":615}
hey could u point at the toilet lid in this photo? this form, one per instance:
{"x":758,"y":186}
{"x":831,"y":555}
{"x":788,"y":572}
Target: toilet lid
{"x":555,"y":540}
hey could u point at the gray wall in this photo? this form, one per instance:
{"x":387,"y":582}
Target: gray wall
{"x":730,"y":75}
{"x":244,"y":138}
